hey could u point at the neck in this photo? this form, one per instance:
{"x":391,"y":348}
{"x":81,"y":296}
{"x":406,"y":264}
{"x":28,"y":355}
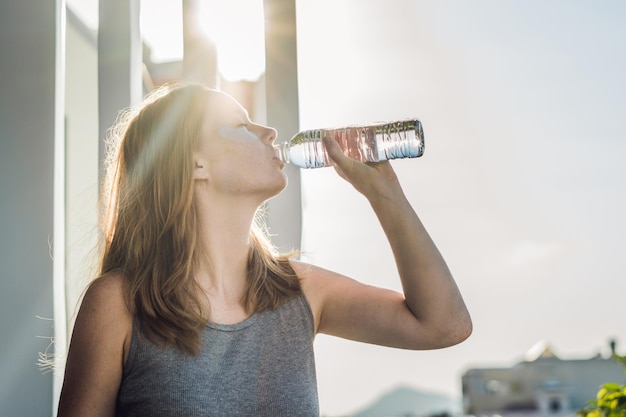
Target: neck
{"x":224,"y":239}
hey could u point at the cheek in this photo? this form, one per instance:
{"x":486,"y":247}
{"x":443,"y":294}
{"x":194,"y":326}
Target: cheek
{"x":237,"y":134}
{"x":234,"y":170}
{"x":241,"y":159}
{"x":245,"y":173}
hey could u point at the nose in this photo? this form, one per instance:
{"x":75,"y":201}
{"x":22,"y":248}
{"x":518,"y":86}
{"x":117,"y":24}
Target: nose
{"x":268,"y":134}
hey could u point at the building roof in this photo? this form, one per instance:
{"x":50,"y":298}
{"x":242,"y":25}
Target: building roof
{"x":540,"y":350}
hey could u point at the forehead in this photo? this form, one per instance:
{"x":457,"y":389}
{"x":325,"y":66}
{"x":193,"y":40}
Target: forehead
{"x":222,"y":108}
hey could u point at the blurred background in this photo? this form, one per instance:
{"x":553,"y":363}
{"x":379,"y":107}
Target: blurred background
{"x":521,"y":185}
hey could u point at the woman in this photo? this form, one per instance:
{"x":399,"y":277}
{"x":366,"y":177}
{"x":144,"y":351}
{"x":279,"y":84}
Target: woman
{"x":193,"y":313}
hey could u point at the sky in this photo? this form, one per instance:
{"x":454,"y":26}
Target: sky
{"x":521,"y":185}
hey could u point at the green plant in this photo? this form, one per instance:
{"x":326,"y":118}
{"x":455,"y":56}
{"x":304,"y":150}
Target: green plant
{"x":610,"y":400}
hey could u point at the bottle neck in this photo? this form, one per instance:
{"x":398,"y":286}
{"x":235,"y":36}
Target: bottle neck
{"x":282,"y":151}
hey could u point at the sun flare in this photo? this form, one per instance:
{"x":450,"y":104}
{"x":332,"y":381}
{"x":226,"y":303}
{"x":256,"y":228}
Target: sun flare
{"x":238,"y":30}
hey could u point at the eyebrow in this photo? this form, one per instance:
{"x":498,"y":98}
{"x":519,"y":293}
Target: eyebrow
{"x":242,"y":112}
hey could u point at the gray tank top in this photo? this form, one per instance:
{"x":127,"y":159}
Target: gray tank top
{"x":263,"y":366}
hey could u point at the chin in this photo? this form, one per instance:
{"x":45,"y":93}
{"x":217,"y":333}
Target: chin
{"x":276,"y":189}
{"x":282,"y":187}
{"x":283,"y":182}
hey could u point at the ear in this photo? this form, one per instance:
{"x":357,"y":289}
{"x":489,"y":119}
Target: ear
{"x":200,"y":168}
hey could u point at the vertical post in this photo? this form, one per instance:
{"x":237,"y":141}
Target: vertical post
{"x":199,"y":52}
{"x":119,"y":62}
{"x":284,"y":214}
{"x":59,"y":212}
{"x":29,"y":127}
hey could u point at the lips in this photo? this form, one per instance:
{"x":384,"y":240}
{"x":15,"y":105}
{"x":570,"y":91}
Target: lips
{"x":277,"y":155}
{"x":280,"y":163}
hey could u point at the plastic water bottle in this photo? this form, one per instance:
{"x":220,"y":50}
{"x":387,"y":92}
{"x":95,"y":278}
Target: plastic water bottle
{"x":369,"y":143}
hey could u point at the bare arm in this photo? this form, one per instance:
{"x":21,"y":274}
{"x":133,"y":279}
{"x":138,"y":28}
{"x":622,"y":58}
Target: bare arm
{"x":429,"y":314}
{"x":97,"y":351}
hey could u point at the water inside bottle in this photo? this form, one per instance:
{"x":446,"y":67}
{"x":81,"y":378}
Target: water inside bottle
{"x":400,"y":140}
{"x":371,"y":143}
{"x":307,"y":150}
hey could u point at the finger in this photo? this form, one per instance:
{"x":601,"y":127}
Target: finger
{"x":336,"y":154}
{"x":332,"y":147}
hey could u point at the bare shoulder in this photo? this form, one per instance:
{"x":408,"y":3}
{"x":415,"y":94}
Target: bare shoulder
{"x":104,"y":312}
{"x":98,"y":350}
{"x":107,"y":291}
{"x":314,"y":279}
{"x":311,"y":287}
{"x":318,"y":281}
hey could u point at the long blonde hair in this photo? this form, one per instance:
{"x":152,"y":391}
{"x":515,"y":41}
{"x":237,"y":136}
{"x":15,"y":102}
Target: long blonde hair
{"x":150,"y":226}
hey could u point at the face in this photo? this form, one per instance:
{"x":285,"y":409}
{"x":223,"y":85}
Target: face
{"x":236,"y":156}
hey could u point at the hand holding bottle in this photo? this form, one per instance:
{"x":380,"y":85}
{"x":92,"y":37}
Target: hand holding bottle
{"x":367,"y":143}
{"x":372,"y":179}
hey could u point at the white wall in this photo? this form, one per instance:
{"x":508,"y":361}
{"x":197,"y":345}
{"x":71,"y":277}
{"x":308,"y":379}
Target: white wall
{"x":28,"y":125}
{"x":81,"y":113}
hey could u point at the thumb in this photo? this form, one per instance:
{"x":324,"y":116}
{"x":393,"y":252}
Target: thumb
{"x":335,"y":153}
{"x":345,"y":166}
